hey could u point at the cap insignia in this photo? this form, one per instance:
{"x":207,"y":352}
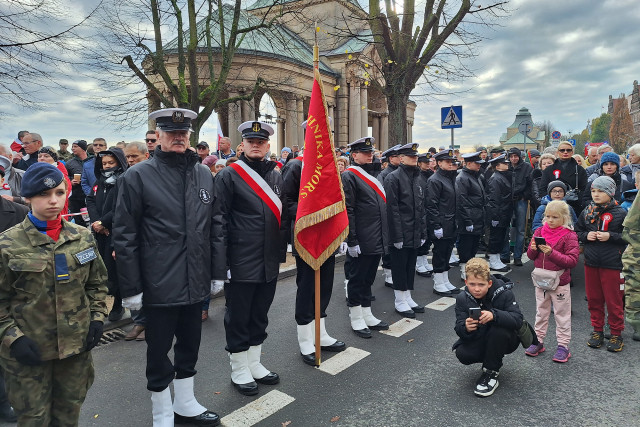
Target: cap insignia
{"x":367,"y":141}
{"x":450,"y":152}
{"x":177,"y":117}
{"x":49,"y":182}
{"x":414,"y":147}
{"x":256,"y":127}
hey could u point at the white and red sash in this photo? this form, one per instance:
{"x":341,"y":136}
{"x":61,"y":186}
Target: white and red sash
{"x":606,"y":220}
{"x":260,"y":186}
{"x":369,"y":180}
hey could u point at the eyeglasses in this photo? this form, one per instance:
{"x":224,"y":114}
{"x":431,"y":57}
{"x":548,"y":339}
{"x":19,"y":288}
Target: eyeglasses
{"x":565,"y":150}
{"x":560,"y":191}
{"x":99,"y":145}
{"x":150,"y":140}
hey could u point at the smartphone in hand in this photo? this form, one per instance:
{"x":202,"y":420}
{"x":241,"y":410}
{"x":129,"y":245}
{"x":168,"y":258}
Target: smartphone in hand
{"x":474,"y":313}
{"x":540,"y":241}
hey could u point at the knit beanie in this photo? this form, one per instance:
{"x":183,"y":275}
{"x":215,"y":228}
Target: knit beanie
{"x":605,"y":184}
{"x":554,"y":184}
{"x":610,"y":157}
{"x":81,"y":143}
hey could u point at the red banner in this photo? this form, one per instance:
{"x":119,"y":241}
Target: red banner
{"x":321,"y":222}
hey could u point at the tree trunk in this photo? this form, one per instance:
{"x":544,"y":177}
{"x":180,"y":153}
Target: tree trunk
{"x":397,"y":104}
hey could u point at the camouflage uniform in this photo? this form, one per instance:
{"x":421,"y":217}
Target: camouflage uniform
{"x":53,"y":306}
{"x":630,"y":258}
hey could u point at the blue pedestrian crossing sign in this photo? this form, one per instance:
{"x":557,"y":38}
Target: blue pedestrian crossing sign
{"x":451,"y":117}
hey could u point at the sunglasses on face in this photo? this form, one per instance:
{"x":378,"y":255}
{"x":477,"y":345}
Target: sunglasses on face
{"x":150,"y":140}
{"x":99,"y":145}
{"x":565,"y":150}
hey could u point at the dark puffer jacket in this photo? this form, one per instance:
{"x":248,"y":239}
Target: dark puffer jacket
{"x":405,"y":206}
{"x":499,"y":199}
{"x":367,"y":213}
{"x":441,"y":204}
{"x":500,"y":300}
{"x":522,"y":179}
{"x":162,"y":230}
{"x":622,"y":185}
{"x":603,"y":254}
{"x":470,"y":201}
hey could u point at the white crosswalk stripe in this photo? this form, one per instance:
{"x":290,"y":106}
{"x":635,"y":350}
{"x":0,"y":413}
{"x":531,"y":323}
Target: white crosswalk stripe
{"x":343,"y":360}
{"x":258,"y":410}
{"x":441,"y":304}
{"x":401,"y":327}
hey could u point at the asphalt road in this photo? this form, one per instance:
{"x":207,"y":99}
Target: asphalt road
{"x":411,"y":380}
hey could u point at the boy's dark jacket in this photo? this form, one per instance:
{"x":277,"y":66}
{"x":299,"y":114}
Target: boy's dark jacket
{"x":603,"y":254}
{"x":499,"y":299}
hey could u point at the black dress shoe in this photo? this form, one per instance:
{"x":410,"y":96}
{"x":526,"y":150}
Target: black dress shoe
{"x":382,"y":326}
{"x":454,"y":264}
{"x":248,"y":389}
{"x":425,"y":274}
{"x":445,"y":294}
{"x":505,"y":260}
{"x":206,"y":418}
{"x":7,"y":413}
{"x":517,"y":262}
{"x":409,"y":313}
{"x":417,"y":309}
{"x":336,"y":347}
{"x":363,"y":333}
{"x":309,"y":359}
{"x":373,"y":298}
{"x":388,"y":284}
{"x":455,"y":291}
{"x":115,"y":315}
{"x":270,"y":379}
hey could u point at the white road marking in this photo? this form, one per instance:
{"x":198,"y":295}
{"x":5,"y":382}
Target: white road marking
{"x":256,"y":411}
{"x":401,"y":327}
{"x":441,"y":304}
{"x":343,"y":360}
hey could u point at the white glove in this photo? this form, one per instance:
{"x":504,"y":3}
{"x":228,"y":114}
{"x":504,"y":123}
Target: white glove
{"x":216,"y":286}
{"x":469,"y":228}
{"x":439,"y":233}
{"x":398,"y":245}
{"x":353,"y":251}
{"x":494,"y":223}
{"x":422,"y":241}
{"x":343,"y":248}
{"x":228,"y":276}
{"x":133,"y":303}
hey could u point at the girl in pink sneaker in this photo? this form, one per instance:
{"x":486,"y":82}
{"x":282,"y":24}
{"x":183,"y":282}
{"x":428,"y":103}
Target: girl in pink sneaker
{"x":560,"y":252}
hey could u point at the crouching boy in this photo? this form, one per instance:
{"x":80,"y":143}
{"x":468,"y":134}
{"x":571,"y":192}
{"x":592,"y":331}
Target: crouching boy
{"x":52,"y":305}
{"x":487,"y":320}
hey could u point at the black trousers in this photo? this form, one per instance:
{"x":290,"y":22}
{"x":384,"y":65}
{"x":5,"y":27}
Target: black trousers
{"x":441,"y":253}
{"x":163,"y":324}
{"x":490,"y":350}
{"x":467,"y":246}
{"x":362,"y":274}
{"x":305,"y":296}
{"x":496,"y":239}
{"x":386,"y":261}
{"x":424,"y":249}
{"x":403,"y":268}
{"x":246,"y":318}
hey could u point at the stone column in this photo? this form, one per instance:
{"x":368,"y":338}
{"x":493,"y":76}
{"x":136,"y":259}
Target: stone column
{"x":301,"y":118}
{"x":409,"y":132}
{"x":364,"y":111}
{"x":291,"y":125}
{"x":330,"y":113}
{"x":277,"y":147}
{"x":235,"y":120}
{"x":355,"y":127}
{"x":247,"y":111}
{"x":375,"y":128}
{"x":384,"y":132}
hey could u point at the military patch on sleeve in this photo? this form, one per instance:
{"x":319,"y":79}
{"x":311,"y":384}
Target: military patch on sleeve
{"x":205,"y":196}
{"x":86,"y":256}
{"x":62,"y":269}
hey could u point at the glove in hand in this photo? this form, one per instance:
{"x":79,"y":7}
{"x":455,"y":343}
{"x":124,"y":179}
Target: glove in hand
{"x":95,"y":333}
{"x":469,"y":228}
{"x":439,"y":233}
{"x":398,"y":245}
{"x":494,"y":223}
{"x":25,"y":350}
{"x":133,"y":303}
{"x":353,"y":251}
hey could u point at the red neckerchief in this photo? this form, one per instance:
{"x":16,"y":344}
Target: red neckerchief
{"x":50,"y":228}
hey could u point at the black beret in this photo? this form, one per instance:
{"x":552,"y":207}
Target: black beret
{"x":50,"y":151}
{"x":40,"y":177}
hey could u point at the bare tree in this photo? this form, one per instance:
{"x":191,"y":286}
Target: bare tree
{"x":180,"y":61}
{"x":37,"y":47}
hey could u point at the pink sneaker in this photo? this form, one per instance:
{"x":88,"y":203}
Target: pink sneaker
{"x":562,"y":354}
{"x":535,"y":349}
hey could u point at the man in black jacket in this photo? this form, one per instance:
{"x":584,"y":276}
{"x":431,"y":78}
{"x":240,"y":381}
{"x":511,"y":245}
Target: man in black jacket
{"x":470,"y":201}
{"x":368,"y":235}
{"x":499,"y":210}
{"x":74,"y":168}
{"x":393,"y":158}
{"x":250,"y":240}
{"x":487,"y":320}
{"x":441,"y":220}
{"x":522,"y":182}
{"x":407,"y":227}
{"x":162,"y":236}
{"x":423,"y":268}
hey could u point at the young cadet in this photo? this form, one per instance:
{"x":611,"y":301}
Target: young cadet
{"x":250,"y":239}
{"x":423,"y":268}
{"x":305,"y":278}
{"x":441,"y":220}
{"x":52,"y":305}
{"x":393,"y":158}
{"x":368,"y":236}
{"x":407,"y":228}
{"x":470,"y":201}
{"x":499,"y":209}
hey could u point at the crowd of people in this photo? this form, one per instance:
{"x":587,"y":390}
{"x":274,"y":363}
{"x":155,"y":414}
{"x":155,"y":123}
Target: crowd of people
{"x":97,"y":218}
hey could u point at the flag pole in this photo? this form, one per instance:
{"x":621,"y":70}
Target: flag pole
{"x":316,"y":61}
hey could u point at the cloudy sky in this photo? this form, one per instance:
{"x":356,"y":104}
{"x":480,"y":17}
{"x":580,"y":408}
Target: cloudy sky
{"x":560,"y":59}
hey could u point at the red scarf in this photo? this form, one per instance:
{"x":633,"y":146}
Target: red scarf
{"x":50,"y":228}
{"x":553,"y":235}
